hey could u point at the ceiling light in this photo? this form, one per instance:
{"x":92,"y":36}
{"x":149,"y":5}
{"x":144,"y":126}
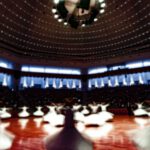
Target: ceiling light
{"x":56,"y":1}
{"x":65,"y":23}
{"x":60,"y":20}
{"x":54,"y":10}
{"x":103,"y":5}
{"x":56,"y":16}
{"x":102,"y":11}
{"x":100,"y":1}
{"x":83,"y":25}
{"x":95,"y":19}
{"x":78,"y":13}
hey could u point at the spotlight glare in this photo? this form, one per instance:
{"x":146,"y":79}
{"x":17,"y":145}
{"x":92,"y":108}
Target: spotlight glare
{"x":95,"y":19}
{"x":103,"y":5}
{"x":56,"y":16}
{"x":56,"y":1}
{"x":83,"y":25}
{"x":102,"y":11}
{"x":65,"y":23}
{"x":60,"y":20}
{"x":100,"y":1}
{"x":54,"y":10}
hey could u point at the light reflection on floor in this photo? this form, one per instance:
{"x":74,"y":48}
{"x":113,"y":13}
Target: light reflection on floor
{"x":113,"y":135}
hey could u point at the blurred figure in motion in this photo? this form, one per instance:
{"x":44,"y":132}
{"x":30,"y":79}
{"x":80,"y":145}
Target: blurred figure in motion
{"x":69,"y":138}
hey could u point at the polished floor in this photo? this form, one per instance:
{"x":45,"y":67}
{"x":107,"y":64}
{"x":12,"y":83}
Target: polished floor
{"x":30,"y":133}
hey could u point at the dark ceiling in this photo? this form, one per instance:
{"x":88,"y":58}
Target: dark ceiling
{"x":28,"y":28}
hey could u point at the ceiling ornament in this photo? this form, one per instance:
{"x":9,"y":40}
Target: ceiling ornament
{"x":78,"y":13}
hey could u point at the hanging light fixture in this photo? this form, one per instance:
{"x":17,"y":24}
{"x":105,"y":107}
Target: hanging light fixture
{"x":78,"y":13}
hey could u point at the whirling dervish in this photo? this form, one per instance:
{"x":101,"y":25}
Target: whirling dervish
{"x":104,"y":114}
{"x":78,"y":116}
{"x":24,"y":113}
{"x":94,"y":118}
{"x":53,"y":118}
{"x":38,"y":112}
{"x":4,"y":114}
{"x":139,"y":112}
{"x":69,"y":138}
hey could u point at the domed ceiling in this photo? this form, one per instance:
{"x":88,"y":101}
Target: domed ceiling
{"x":28,"y":29}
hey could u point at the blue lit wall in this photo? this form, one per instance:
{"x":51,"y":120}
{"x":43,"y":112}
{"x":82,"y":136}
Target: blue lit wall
{"x":5,"y":80}
{"x":120,"y":80}
{"x":56,"y":83}
{"x":112,"y":81}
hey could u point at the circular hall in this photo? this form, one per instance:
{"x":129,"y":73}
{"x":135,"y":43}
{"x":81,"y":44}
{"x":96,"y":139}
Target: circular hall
{"x":74,"y":75}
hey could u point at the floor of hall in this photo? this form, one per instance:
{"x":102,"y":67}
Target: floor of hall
{"x":30,"y":133}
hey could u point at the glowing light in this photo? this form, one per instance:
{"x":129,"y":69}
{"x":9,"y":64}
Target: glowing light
{"x":50,"y":69}
{"x":25,"y":85}
{"x":134,"y":65}
{"x":65,"y":23}
{"x":3,"y":64}
{"x":80,"y":85}
{"x":60,"y":20}
{"x":23,"y":123}
{"x":96,"y":83}
{"x":141,"y":79}
{"x":109,"y":83}
{"x":60,"y":84}
{"x":100,"y":1}
{"x":32,"y":83}
{"x":54,"y":10}
{"x":116,"y":81}
{"x":56,"y":16}
{"x":74,"y":84}
{"x":54,"y":83}
{"x":68,"y":84}
{"x":102,"y":83}
{"x":5,"y":80}
{"x":83,"y":25}
{"x":102,"y":11}
{"x":97,"y":70}
{"x":124,"y":81}
{"x":38,"y":121}
{"x":89,"y":84}
{"x":46,"y":83}
{"x":103,"y":5}
{"x":131,"y":80}
{"x":56,"y":1}
{"x":95,"y":19}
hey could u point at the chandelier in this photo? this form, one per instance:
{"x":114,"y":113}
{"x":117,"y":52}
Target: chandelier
{"x":78,"y":13}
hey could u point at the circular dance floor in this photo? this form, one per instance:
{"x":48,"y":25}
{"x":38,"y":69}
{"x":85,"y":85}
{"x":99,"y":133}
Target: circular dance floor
{"x":31,"y":132}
